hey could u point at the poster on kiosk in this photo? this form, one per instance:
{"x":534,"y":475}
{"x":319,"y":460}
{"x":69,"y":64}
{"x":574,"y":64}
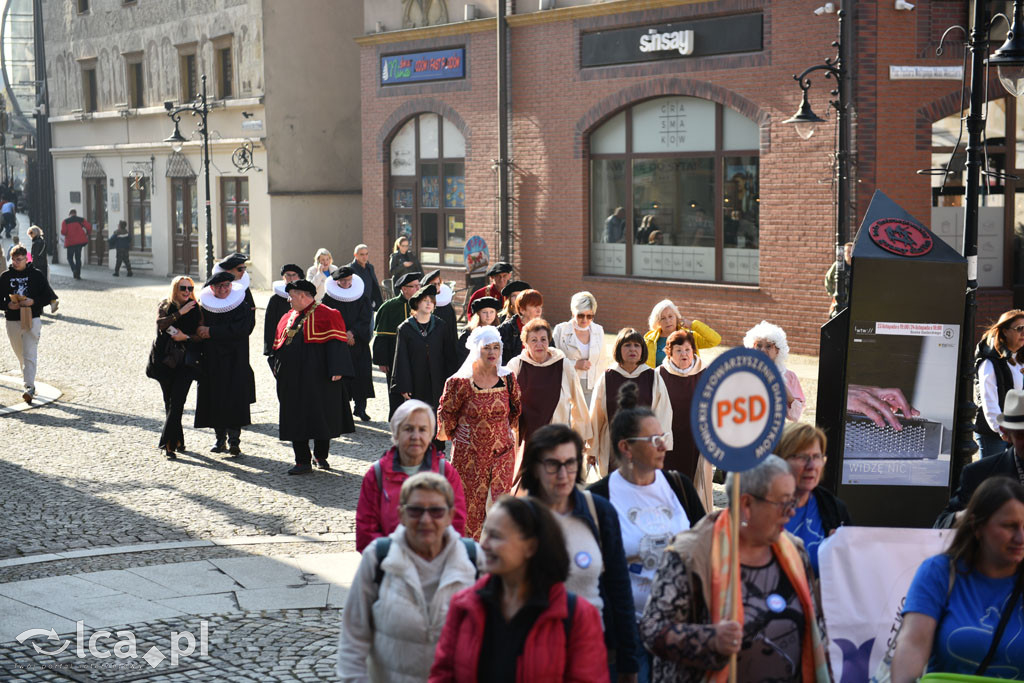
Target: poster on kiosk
{"x":906,"y":310}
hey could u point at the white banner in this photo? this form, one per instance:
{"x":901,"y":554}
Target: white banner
{"x":865,"y":575}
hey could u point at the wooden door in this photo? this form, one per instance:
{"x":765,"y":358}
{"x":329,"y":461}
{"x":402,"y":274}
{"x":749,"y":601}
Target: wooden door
{"x":96,"y":214}
{"x":185,"y":225}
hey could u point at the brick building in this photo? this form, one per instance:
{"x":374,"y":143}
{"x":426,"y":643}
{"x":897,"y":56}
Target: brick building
{"x":671,"y":110}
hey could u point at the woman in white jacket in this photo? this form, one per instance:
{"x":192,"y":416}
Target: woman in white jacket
{"x":398,"y":601}
{"x":582,"y":340}
{"x":318,"y":273}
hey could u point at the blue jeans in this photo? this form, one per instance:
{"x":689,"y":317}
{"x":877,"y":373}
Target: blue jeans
{"x":990,"y":445}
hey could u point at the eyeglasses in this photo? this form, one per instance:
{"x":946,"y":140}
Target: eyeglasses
{"x":585,"y":316}
{"x":185,"y":288}
{"x":656,"y":440}
{"x":416,"y":511}
{"x":1018,"y":329}
{"x":552,"y":466}
{"x":784,"y":506}
{"x":764,"y":345}
{"x":803,"y":459}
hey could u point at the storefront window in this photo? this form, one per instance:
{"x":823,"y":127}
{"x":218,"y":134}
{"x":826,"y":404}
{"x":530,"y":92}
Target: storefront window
{"x":428,"y":188}
{"x":681,"y":200}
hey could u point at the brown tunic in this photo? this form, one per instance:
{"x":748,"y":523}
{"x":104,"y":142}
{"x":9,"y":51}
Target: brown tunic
{"x":613,"y":381}
{"x":541,"y":388}
{"x":684,"y":454}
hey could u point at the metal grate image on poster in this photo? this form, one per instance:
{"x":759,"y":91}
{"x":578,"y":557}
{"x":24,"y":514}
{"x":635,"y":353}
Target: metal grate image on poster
{"x":900,"y":400}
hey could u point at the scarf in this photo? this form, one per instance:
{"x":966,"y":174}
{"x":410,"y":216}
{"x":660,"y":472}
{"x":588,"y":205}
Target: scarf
{"x":726,"y":585}
{"x":319,"y":323}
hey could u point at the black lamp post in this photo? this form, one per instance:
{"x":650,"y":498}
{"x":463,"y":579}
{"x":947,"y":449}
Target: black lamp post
{"x":805,"y":121}
{"x":198,"y":107}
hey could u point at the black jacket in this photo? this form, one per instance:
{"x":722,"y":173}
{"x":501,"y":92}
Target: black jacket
{"x":422,"y":364}
{"x":39,"y":255}
{"x":369,"y":278}
{"x":993,"y":466}
{"x":833,"y":511}
{"x":28,"y":282}
{"x":1004,"y":382}
{"x":686,"y":493}
{"x":511,"y":341}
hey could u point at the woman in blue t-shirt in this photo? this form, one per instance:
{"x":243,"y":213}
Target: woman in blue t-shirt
{"x":950,"y":617}
{"x":818,"y":513}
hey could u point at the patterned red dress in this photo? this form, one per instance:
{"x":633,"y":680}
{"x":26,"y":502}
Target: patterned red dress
{"x":484,"y":454}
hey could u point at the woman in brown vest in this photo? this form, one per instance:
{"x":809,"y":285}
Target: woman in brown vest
{"x":680,"y":371}
{"x":630,"y":355}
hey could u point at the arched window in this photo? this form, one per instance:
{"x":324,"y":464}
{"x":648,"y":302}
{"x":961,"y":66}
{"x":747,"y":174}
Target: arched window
{"x":428,"y":188}
{"x":674,"y":192}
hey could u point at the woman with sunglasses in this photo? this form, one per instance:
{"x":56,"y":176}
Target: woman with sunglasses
{"x":177,"y":320}
{"x":771,"y":340}
{"x":582,"y":340}
{"x":688,"y":622}
{"x":999,"y":367}
{"x":552,"y":468}
{"x":399,"y":597}
{"x":818,"y":513}
{"x":653,"y":505}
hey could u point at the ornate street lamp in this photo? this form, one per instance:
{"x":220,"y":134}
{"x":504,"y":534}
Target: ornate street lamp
{"x":198,"y":107}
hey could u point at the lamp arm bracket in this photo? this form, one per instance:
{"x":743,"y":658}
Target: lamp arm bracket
{"x":992,"y":21}
{"x":828,"y":67}
{"x":939,"y":50}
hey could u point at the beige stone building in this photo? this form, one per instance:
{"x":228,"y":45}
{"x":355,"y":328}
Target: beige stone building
{"x":279,"y":91}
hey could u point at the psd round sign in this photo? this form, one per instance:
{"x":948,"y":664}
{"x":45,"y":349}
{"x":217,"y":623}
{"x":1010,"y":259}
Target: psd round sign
{"x":739,"y":409}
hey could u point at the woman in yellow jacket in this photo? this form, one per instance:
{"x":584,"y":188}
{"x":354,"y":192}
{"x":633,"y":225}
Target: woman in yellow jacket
{"x":666,"y":319}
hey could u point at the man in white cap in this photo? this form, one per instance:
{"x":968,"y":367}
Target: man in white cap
{"x":1008,"y":464}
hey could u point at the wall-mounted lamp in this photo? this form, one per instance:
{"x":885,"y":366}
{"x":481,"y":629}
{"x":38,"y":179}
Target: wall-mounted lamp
{"x":903,"y":5}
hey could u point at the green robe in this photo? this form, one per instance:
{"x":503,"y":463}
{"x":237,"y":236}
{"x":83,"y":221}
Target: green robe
{"x":390,"y":315}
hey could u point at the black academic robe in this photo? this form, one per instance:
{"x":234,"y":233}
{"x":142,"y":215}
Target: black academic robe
{"x":390,"y":315}
{"x":312,"y":406}
{"x":226,"y":382}
{"x":357,"y":316}
{"x":422,"y":364}
{"x":277,"y":308}
{"x":448,"y":316}
{"x":511,"y":342}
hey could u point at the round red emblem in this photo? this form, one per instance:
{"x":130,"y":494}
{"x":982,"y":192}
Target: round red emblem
{"x":900,"y":237}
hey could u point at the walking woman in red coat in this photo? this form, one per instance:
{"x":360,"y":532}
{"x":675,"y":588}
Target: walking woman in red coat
{"x":518,"y":622}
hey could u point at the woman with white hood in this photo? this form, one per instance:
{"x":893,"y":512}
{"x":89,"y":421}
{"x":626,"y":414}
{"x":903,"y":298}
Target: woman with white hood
{"x":479,"y":412}
{"x":582,"y":340}
{"x":771,"y":339}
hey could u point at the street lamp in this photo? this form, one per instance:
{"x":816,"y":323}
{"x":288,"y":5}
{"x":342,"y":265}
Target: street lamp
{"x":201,"y":108}
{"x":1009,"y":58}
{"x":805,"y":121}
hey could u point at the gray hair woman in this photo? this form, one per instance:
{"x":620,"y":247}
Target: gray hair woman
{"x":771,"y":340}
{"x":582,"y":340}
{"x":779,"y":633}
{"x":399,"y":599}
{"x":412,"y":432}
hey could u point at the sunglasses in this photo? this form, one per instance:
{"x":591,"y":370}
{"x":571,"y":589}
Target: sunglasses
{"x":185,"y":288}
{"x":416,"y":511}
{"x":585,"y":316}
{"x":656,"y":440}
{"x":1018,"y":328}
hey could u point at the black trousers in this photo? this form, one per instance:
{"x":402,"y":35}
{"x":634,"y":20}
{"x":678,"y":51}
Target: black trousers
{"x":122,"y":257}
{"x":233,"y":437}
{"x":75,"y":259}
{"x":321,"y":448}
{"x":175,"y":390}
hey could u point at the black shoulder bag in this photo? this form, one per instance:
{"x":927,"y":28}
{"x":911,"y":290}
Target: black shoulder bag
{"x":1018,"y":588}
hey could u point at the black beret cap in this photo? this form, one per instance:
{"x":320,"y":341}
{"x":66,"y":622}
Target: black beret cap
{"x":515,"y":286}
{"x":429,"y":290}
{"x":408,"y":279}
{"x":292,"y":268}
{"x":301,"y":285}
{"x":219,"y":278}
{"x":344,"y":271}
{"x":486,"y":302}
{"x":233,"y":261}
{"x":498,"y":268}
{"x":430,"y":276}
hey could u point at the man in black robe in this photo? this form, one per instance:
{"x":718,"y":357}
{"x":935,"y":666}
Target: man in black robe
{"x":278,"y":305}
{"x":238,"y":265}
{"x":226,"y":383}
{"x":391,"y":314}
{"x":364,"y":269}
{"x":444,"y":309}
{"x":311,"y":358}
{"x":345,"y":292}
{"x":424,"y":354}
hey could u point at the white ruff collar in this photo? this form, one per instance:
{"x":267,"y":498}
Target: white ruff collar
{"x":209,"y":301}
{"x":279,"y":289}
{"x":444,"y":295}
{"x":353,"y":293}
{"x":244,"y":280}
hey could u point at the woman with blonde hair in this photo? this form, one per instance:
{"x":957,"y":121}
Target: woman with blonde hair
{"x":582,"y":340}
{"x":173,"y":361}
{"x":665,"y":319}
{"x":323,"y":267}
{"x":771,"y":340}
{"x":998,"y":367}
{"x":38,"y":251}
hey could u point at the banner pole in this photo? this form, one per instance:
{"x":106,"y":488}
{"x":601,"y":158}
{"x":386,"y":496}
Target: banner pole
{"x":734,"y":509}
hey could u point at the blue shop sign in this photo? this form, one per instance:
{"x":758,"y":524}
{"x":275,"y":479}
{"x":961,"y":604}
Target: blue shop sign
{"x":416,"y":67}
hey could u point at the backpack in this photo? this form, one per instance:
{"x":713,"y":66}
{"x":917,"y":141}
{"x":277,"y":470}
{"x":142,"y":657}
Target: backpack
{"x":589,"y":498}
{"x":378,"y":474}
{"x":383,"y":545}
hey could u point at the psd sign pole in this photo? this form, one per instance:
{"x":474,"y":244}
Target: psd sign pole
{"x":737,"y":416}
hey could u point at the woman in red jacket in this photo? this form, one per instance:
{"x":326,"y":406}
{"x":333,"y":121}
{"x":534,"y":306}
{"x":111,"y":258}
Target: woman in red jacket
{"x":518,"y":623}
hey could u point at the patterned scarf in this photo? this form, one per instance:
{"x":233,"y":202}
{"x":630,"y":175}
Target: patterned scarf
{"x":813,"y":662}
